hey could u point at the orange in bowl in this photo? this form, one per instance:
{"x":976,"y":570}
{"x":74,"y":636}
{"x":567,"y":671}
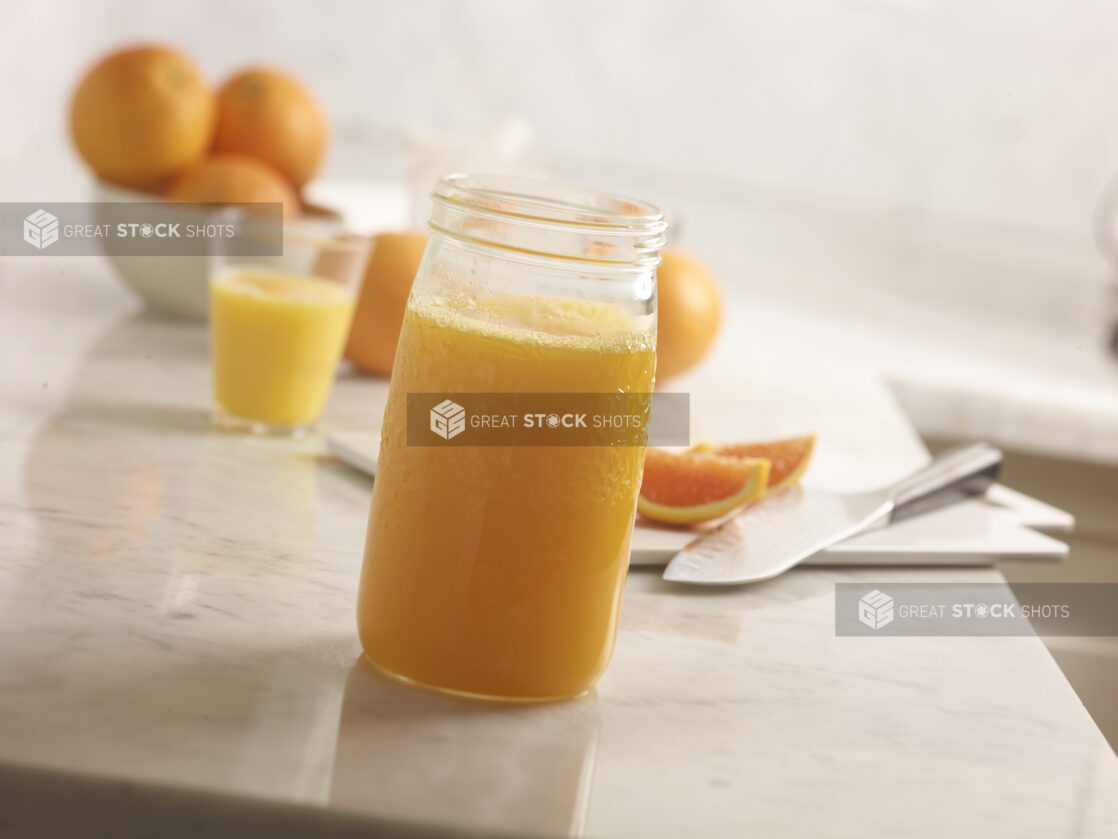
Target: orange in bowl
{"x":234,"y":179}
{"x":269,"y":115}
{"x":142,"y":115}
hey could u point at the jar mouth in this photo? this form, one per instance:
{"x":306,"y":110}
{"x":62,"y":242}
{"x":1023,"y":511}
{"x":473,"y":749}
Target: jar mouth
{"x":548,"y":219}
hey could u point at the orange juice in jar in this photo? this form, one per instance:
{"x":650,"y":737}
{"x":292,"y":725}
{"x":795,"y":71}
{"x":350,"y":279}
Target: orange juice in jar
{"x":496,"y":571}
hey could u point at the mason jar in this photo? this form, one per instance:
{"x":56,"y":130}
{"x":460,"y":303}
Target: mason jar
{"x":499,"y":531}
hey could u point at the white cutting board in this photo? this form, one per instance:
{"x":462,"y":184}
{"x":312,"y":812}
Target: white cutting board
{"x":975,"y":532}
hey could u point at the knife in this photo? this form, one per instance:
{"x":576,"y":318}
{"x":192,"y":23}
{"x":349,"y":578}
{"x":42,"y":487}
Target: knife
{"x":771,"y":536}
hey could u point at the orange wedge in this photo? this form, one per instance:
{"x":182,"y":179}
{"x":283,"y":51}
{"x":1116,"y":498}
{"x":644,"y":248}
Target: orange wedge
{"x":695,"y":487}
{"x":789,"y":457}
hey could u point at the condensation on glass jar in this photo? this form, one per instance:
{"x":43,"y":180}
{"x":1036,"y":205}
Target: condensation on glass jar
{"x":496,"y":571}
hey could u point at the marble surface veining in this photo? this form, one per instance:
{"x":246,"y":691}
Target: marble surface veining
{"x":176,"y":608}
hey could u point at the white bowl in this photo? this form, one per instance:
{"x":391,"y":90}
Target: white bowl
{"x":179,"y":285}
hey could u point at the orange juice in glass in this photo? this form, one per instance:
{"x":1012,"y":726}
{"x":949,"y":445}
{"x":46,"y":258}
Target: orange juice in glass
{"x":496,"y":571}
{"x":277,"y":330}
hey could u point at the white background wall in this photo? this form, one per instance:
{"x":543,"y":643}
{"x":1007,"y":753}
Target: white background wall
{"x":998,"y":112}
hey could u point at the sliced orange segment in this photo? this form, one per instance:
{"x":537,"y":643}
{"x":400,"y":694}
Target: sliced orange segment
{"x":694,"y":487}
{"x":789,"y":457}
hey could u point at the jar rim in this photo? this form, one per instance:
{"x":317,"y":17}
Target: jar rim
{"x":625,"y":229}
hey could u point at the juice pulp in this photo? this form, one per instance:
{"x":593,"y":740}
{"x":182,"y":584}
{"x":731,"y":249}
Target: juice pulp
{"x":497,"y":571}
{"x":275,"y":342}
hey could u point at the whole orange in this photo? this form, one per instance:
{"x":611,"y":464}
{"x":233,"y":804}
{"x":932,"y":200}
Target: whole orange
{"x":142,"y":115}
{"x":271,"y":116}
{"x":393,"y":262}
{"x":234,"y":179}
{"x":689,"y":307}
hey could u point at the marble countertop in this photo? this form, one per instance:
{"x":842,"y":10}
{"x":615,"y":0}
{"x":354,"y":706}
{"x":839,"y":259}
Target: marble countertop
{"x":177,"y":641}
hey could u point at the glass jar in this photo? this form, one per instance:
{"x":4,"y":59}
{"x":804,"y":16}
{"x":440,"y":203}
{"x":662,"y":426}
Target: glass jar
{"x":495,"y":570}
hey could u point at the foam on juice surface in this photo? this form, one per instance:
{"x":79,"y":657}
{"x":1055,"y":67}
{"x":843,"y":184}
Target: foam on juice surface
{"x":589,"y":325}
{"x":283,"y":288}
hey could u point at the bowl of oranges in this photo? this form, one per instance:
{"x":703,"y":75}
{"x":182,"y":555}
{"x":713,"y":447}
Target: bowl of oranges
{"x":150,"y":126}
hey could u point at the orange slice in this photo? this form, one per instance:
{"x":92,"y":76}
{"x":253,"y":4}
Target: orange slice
{"x":789,"y":457}
{"x":695,"y":487}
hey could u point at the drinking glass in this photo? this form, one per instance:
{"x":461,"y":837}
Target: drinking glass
{"x":278,"y":326}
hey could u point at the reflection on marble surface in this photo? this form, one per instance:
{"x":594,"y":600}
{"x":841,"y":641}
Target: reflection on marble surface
{"x":176,"y":607}
{"x":418,"y":757}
